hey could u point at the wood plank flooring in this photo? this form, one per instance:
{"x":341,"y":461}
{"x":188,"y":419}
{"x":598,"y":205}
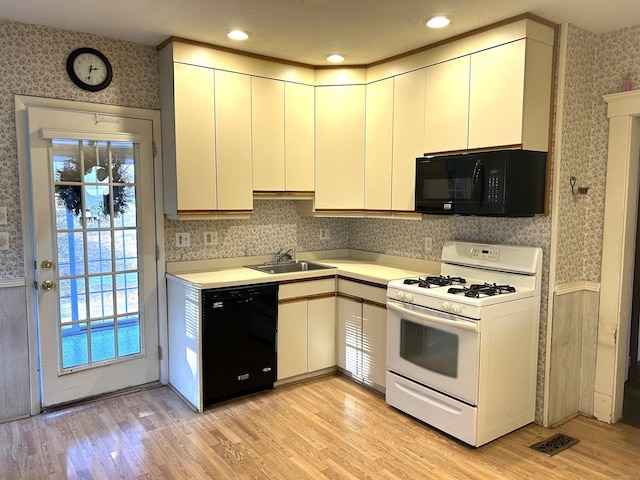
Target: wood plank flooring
{"x":326,"y":428}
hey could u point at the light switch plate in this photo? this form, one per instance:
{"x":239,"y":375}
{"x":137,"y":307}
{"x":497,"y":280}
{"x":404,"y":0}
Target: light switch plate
{"x":4,"y":240}
{"x":3,"y":215}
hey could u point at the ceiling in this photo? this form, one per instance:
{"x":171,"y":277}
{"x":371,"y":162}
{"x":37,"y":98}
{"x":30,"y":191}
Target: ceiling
{"x":305,"y":31}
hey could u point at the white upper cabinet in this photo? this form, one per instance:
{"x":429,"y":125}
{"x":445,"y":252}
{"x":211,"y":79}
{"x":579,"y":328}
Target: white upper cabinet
{"x":233,"y":141}
{"x":447,"y":106}
{"x":408,"y":137}
{"x":509,"y":100}
{"x":496,"y":96}
{"x":379,"y":145}
{"x":267,"y":134}
{"x":340,"y":117}
{"x":299,"y":135}
{"x":282,"y":136}
{"x":189,"y":139}
{"x":206,"y":141}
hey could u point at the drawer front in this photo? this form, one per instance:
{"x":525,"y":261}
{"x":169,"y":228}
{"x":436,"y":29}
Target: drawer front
{"x":368,"y":292}
{"x":306,"y":288}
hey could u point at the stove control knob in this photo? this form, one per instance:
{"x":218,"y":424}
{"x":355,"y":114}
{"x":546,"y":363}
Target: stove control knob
{"x":455,"y":308}
{"x":446,"y":306}
{"x":408,"y":297}
{"x":401,"y":295}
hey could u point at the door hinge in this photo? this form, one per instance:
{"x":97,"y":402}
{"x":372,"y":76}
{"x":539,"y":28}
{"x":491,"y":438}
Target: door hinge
{"x":155,"y":149}
{"x":159,"y":352}
{"x":157,"y":252}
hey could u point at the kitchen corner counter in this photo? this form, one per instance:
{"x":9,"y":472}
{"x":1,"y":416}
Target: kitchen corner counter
{"x":359,"y":265}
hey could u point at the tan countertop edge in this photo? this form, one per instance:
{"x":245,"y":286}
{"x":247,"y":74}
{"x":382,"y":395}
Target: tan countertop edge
{"x":368,"y":266}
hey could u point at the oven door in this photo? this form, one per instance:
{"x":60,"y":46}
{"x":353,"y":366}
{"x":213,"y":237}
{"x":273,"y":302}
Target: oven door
{"x":438,"y":350}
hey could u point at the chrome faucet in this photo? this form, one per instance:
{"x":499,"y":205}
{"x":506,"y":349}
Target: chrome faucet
{"x":286,"y":256}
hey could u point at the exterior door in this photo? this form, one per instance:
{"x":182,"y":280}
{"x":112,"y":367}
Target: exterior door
{"x":92,"y":208}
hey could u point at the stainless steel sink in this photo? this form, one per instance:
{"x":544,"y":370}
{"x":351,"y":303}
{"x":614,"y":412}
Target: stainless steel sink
{"x":288,"y":267}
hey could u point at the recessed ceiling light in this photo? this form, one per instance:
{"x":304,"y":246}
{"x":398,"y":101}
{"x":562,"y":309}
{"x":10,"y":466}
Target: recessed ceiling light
{"x":335,"y":58}
{"x":439,"y":21}
{"x":237,"y":35}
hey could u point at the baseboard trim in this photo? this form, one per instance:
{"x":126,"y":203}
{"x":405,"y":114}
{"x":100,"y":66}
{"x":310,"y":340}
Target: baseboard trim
{"x":12,"y":282}
{"x":578,"y":286}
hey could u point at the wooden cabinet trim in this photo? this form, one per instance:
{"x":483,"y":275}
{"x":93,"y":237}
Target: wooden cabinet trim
{"x":311,"y":279}
{"x":374,"y":304}
{"x":364,"y":282}
{"x":304,"y":298}
{"x":365,"y":301}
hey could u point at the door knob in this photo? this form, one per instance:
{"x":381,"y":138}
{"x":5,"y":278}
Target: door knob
{"x":47,"y":285}
{"x":46,"y":264}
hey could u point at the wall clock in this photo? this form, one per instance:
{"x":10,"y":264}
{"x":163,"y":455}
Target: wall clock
{"x":89,"y":69}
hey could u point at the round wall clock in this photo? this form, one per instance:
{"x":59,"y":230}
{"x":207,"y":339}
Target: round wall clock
{"x":89,"y":69}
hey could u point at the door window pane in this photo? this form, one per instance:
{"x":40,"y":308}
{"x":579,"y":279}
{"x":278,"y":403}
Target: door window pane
{"x":97,"y":236}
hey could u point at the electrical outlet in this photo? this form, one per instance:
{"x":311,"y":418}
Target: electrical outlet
{"x":324,"y":234}
{"x":183,"y":240}
{"x":210,"y":239}
{"x":4,"y":240}
{"x":428,"y":244}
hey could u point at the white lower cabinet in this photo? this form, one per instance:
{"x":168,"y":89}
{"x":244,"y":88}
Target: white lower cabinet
{"x":362,"y":332}
{"x":292,"y":339}
{"x":306,"y":328}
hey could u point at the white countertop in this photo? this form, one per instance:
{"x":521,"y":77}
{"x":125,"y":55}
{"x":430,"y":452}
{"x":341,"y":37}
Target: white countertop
{"x":365,"y":266}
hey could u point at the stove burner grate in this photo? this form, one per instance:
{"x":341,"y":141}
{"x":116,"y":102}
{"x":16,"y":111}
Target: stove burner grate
{"x":434,"y":280}
{"x":477,"y":290}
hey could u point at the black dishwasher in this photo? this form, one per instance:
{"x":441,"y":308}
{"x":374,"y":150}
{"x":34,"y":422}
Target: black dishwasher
{"x":239,"y":340}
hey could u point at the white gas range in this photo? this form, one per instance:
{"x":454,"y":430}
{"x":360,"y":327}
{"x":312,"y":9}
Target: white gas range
{"x":462,"y":345}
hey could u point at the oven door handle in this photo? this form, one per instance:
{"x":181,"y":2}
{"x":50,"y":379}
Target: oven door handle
{"x":463,"y":324}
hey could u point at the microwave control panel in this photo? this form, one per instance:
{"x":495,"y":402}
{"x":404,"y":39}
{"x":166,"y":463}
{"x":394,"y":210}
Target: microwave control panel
{"x":494,"y":189}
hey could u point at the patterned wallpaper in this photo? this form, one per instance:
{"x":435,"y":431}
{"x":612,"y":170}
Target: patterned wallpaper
{"x":575,"y":159}
{"x":32,"y":62}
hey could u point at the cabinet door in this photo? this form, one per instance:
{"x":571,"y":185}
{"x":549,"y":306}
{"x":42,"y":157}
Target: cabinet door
{"x":292,"y":339}
{"x":340,"y":112}
{"x":447,"y":106}
{"x":496,"y":96}
{"x":233,"y":141}
{"x":408,"y":137}
{"x":349,"y":337}
{"x":379,"y":151}
{"x":267,"y":134}
{"x":299,"y":135}
{"x":321,"y":333}
{"x":374,"y":343}
{"x":195,"y":164}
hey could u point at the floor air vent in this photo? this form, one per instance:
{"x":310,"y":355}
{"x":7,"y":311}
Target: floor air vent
{"x":555,"y":444}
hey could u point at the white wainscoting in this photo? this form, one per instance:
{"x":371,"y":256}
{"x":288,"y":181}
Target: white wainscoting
{"x":14,"y":353}
{"x":573,"y":350}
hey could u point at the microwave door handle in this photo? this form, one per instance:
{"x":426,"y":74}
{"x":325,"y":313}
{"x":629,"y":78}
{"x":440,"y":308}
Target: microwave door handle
{"x":428,"y":319}
{"x":477,"y":183}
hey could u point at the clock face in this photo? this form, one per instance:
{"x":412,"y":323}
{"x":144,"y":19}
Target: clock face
{"x":89,"y":69}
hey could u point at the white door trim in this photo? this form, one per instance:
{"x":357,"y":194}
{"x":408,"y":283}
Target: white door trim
{"x":618,"y":248}
{"x":21,"y":105}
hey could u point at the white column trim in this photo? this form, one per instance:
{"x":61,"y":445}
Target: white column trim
{"x":618,"y":251}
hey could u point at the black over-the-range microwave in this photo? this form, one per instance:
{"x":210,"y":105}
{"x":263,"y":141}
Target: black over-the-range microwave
{"x":501,"y":183}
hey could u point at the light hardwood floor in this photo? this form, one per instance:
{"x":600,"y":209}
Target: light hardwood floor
{"x":326,"y":428}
